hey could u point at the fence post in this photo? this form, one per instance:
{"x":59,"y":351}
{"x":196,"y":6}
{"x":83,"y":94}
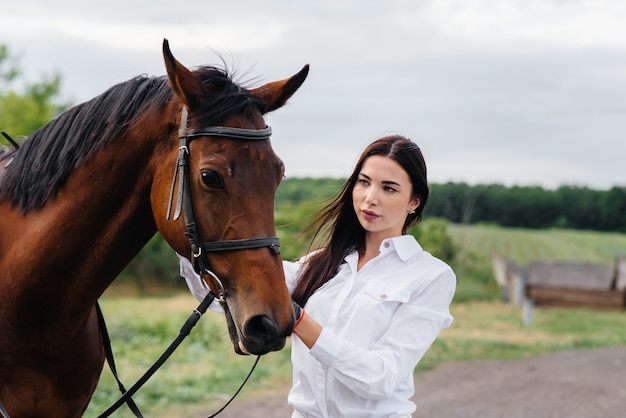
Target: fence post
{"x":522,"y":298}
{"x":519,"y":289}
{"x":528,"y":311}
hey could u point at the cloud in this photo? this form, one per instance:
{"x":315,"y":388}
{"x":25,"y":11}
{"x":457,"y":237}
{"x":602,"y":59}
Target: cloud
{"x":516,"y":92}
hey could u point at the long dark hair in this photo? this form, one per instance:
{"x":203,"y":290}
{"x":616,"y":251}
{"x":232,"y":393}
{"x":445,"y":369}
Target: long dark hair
{"x":337,"y":225}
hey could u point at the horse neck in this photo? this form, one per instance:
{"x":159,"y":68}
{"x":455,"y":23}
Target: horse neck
{"x":79,"y":242}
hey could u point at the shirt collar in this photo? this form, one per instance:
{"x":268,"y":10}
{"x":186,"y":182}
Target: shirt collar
{"x":405,"y":246}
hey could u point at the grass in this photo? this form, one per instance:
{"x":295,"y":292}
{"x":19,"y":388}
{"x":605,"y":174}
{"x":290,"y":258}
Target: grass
{"x":524,"y":245}
{"x":493,"y":330}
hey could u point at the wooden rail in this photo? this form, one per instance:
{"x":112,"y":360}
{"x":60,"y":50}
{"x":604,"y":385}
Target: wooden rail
{"x":576,"y":298}
{"x":562,"y":284}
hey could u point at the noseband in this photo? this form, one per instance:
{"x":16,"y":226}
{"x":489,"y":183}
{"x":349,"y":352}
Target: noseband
{"x":183,"y":199}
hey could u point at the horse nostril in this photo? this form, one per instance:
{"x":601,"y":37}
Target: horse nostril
{"x":261,"y":329}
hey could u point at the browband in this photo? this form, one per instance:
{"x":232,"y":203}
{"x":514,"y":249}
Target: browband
{"x":225,"y":131}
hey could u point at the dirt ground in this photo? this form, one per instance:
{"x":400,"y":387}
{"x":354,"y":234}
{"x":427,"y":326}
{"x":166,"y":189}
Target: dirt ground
{"x":572,"y":384}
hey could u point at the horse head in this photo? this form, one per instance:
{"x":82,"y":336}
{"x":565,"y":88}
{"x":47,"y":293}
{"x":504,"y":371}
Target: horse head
{"x":223,"y":174}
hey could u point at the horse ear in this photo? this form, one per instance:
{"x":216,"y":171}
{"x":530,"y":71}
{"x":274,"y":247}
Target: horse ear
{"x":277,"y":93}
{"x":184,"y":83}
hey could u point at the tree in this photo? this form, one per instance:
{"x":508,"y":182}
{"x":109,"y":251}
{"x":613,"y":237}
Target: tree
{"x":433,"y":236}
{"x":8,"y":69}
{"x":613,"y":210}
{"x":24,"y":111}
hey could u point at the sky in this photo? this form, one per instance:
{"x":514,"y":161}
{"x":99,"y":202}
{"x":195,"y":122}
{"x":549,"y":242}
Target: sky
{"x":514,"y":92}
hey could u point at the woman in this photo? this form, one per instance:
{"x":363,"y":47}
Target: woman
{"x":373,"y":300}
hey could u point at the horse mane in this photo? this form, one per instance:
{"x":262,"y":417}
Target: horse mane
{"x":49,"y":155}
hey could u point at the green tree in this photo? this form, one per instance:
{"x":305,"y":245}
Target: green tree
{"x":613,"y":209}
{"x":433,"y":236}
{"x":8,"y":69}
{"x":32,"y":106}
{"x":156,"y":265}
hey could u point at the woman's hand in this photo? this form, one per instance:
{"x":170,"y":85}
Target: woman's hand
{"x":305,"y":327}
{"x":298,"y":313}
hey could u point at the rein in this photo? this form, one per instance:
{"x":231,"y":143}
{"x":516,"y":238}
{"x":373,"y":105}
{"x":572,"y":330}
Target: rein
{"x":7,"y":154}
{"x":184,"y":332}
{"x":11,"y":140}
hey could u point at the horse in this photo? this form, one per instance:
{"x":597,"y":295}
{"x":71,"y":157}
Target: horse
{"x":87,"y":191}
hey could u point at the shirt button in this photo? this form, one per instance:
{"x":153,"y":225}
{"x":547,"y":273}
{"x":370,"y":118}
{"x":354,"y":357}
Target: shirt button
{"x":386,"y":244}
{"x":383,"y":296}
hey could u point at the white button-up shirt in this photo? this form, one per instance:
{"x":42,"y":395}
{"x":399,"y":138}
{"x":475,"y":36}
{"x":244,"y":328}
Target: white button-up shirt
{"x":377,"y":324}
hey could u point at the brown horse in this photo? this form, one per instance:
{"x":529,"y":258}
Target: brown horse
{"x":85,"y":193}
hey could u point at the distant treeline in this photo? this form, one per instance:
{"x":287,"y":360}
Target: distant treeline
{"x":517,"y":206}
{"x":530,"y":207}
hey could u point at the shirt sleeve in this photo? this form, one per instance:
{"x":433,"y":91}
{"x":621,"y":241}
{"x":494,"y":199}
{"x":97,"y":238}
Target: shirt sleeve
{"x":196,"y":285}
{"x":375,"y":372}
{"x":292,"y":270}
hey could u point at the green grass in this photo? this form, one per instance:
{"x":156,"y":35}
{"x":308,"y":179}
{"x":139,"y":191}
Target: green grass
{"x":524,"y":245}
{"x":493,"y":330}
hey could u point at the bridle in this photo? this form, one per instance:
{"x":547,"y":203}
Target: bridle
{"x":183,"y":199}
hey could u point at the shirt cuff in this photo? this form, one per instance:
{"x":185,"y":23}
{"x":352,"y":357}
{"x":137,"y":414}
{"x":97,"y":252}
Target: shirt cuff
{"x":327,"y":348}
{"x":196,"y":285}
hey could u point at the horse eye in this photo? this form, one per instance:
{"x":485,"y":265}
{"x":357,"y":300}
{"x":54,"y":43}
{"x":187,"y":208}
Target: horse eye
{"x":211,"y":179}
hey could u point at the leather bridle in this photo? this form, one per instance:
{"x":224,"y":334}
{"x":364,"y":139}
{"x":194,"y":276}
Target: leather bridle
{"x":184,"y":202}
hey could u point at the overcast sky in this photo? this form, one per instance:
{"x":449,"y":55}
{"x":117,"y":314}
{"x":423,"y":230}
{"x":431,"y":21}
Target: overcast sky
{"x":528,"y":92}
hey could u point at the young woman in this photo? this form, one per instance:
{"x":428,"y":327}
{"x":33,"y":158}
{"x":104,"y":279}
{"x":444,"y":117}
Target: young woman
{"x":373,"y":300}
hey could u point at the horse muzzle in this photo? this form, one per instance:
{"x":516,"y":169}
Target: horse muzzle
{"x":258,"y":335}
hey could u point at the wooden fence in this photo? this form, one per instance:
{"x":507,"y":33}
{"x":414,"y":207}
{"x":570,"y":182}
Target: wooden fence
{"x":566,"y":284}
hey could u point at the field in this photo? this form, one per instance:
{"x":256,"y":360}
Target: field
{"x":524,"y":245}
{"x":203,"y":373}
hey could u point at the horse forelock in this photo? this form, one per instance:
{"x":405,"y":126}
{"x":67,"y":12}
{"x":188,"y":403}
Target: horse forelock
{"x":224,"y":98}
{"x":49,"y":156}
